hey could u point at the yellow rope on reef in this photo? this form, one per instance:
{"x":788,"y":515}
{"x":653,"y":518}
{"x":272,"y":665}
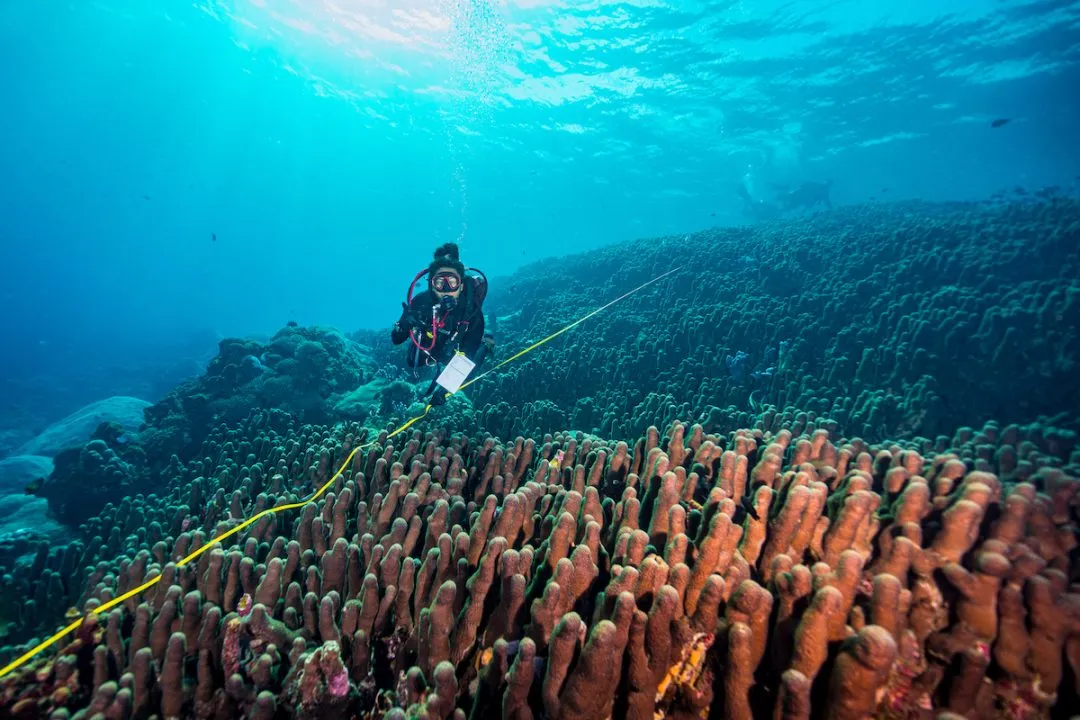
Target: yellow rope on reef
{"x":559,"y":332}
{"x":25,"y":657}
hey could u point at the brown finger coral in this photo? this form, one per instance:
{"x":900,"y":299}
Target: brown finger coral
{"x":785,"y":574}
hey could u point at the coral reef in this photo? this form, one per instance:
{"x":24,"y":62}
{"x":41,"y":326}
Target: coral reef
{"x":304,"y":371}
{"x":686,"y":575}
{"x":895,"y":321}
{"x":24,"y":519}
{"x":311,"y":373}
{"x":84,"y":479}
{"x":784,"y":495}
{"x":75,"y":429}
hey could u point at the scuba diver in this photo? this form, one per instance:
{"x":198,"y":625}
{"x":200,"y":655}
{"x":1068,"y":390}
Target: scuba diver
{"x":446,"y":320}
{"x":808,"y":196}
{"x":757,"y":210}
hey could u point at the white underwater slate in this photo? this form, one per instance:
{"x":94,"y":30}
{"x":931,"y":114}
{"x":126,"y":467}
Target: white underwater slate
{"x":76,"y":429}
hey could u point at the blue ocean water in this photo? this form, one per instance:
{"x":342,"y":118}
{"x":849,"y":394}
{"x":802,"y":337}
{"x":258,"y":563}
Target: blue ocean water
{"x":175,"y":171}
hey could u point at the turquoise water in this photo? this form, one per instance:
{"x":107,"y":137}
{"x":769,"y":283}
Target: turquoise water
{"x":330,"y":146}
{"x":178,"y":174}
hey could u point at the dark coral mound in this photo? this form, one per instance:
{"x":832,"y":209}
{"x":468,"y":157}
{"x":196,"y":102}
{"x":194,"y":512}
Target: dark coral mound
{"x":304,"y":371}
{"x":85,"y":479}
{"x":451,"y":577}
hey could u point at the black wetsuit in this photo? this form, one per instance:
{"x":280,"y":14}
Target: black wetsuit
{"x":459,"y":328}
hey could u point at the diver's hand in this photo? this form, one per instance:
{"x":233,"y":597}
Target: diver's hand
{"x":438,"y":398}
{"x":485,"y":351}
{"x":409,"y":319}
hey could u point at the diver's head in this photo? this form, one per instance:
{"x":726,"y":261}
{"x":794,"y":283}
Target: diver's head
{"x":446,"y":274}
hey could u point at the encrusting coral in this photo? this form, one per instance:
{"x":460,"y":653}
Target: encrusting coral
{"x":690,"y":575}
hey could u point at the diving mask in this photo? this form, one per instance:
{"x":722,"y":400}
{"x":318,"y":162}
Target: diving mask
{"x":446,"y":282}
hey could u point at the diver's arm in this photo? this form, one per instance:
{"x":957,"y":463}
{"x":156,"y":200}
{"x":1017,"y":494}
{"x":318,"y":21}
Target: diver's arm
{"x":400,"y":330}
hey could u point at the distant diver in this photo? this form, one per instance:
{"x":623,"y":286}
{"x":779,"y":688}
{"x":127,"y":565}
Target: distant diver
{"x":757,"y":210}
{"x":445,"y":321}
{"x":808,"y":195}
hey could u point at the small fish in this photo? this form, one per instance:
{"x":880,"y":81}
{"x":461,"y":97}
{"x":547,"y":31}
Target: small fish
{"x":145,"y":197}
{"x":754,"y":401}
{"x":999,"y":122}
{"x":213,"y":237}
{"x":34,"y":486}
{"x":484,"y":658}
{"x":749,"y":508}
